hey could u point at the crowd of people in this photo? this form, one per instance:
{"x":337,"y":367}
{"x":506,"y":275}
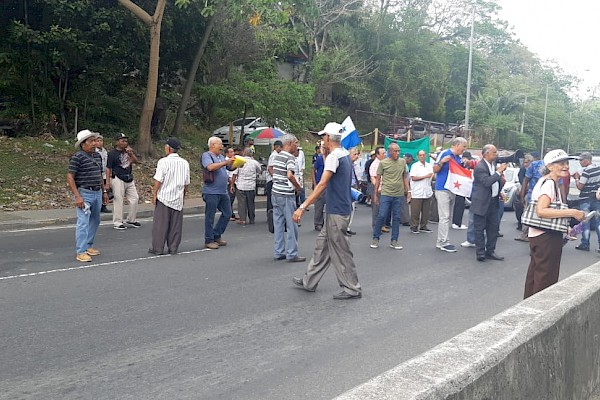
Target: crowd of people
{"x":400,"y":191}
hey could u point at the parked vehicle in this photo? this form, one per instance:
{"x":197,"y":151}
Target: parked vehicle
{"x":250,"y":124}
{"x":511,"y":188}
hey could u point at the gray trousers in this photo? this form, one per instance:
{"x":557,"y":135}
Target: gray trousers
{"x":445,"y":206}
{"x":319,"y":218}
{"x":246,"y":207}
{"x":419,"y":210}
{"x":167,"y":226}
{"x":333,"y":248}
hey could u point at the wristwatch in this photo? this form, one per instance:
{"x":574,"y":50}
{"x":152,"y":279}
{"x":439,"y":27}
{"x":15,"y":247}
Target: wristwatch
{"x":302,"y":207}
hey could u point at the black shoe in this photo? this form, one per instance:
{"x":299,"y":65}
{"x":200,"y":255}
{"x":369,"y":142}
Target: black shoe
{"x":494,"y":256}
{"x":172,"y":252}
{"x":318,"y":227}
{"x":346,"y":296}
{"x":406,"y":224}
{"x":105,"y":210}
{"x":158,"y":253}
{"x":300,"y":283}
{"x":351,"y":233}
{"x":480,"y":258}
{"x":583,"y":248}
{"x":279,"y":258}
{"x":135,"y":224}
{"x":296,"y":259}
{"x":519,"y":227}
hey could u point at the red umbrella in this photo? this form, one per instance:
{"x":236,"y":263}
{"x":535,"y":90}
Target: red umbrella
{"x":266,"y":133}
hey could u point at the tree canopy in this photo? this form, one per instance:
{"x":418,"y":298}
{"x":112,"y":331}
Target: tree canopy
{"x":66,"y":65}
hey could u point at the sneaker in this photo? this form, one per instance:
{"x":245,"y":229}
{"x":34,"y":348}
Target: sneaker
{"x":299,"y":282}
{"x":414,"y":230}
{"x":425,"y":230}
{"x":396,"y":245}
{"x":461,"y":227}
{"x":346,"y":296}
{"x":120,"y":227}
{"x":84,"y":257}
{"x":582,"y":247}
{"x":220,"y":242}
{"x":135,"y":224}
{"x":375,"y":244}
{"x":92,"y":252}
{"x":450,"y":248}
{"x":212,"y":246}
{"x":385,"y":229}
{"x":466,"y":243}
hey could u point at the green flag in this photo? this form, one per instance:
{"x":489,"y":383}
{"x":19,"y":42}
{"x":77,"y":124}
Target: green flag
{"x":409,"y":147}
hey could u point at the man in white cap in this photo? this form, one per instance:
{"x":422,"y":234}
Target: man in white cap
{"x":333,"y":245}
{"x":84,"y":178}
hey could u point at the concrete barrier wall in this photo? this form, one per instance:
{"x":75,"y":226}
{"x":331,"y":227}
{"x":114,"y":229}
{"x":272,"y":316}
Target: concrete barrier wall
{"x":546,"y":347}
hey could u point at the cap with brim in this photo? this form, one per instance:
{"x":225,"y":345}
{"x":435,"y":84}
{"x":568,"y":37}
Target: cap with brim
{"x":372,"y":152}
{"x":332,"y":128}
{"x":467,"y":155}
{"x":83,"y":135}
{"x":278,"y":143}
{"x":120,"y":135}
{"x":558,"y":155}
{"x":173,"y":143}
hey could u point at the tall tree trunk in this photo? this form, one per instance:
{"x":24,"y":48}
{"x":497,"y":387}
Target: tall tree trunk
{"x":187,"y":90}
{"x":154,"y":22}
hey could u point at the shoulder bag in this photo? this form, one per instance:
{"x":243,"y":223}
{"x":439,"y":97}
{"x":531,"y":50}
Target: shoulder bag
{"x":207,"y":176}
{"x":531,"y":218}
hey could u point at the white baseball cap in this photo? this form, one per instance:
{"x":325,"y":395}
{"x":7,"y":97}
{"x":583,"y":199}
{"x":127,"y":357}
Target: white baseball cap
{"x":332,"y":128}
{"x":556,"y":156}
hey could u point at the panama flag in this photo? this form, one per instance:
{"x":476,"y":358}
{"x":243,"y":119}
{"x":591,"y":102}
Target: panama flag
{"x":350,"y":137}
{"x":460,"y":179}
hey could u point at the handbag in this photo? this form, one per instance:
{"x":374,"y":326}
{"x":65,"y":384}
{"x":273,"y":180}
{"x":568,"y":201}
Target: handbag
{"x":531,"y":218}
{"x":207,"y":176}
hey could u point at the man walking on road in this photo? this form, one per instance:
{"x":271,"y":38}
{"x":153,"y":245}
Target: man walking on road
{"x":333,"y":245}
{"x":119,"y":176}
{"x":214,"y":193}
{"x":171,"y":182}
{"x":285,"y":189}
{"x":84,"y":178}
{"x":445,"y":198}
{"x":395,"y":190}
{"x":485,"y":201}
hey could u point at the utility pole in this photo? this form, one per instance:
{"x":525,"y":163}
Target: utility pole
{"x":544,"y":127}
{"x":469,"y":72}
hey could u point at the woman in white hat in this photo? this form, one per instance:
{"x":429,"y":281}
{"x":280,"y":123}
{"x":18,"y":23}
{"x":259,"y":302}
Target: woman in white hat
{"x":546,"y":245}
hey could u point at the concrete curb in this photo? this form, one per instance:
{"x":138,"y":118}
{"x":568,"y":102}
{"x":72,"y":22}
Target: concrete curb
{"x":67,"y":217}
{"x":546,"y":347}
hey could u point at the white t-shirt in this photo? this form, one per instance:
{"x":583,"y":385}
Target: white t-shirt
{"x":544,"y":186}
{"x":421,"y":189}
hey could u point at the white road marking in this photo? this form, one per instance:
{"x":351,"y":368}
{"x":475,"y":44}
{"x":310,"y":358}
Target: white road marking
{"x":105,"y":264}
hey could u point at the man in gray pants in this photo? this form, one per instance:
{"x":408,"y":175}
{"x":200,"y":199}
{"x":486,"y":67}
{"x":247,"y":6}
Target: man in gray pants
{"x":333,"y":246}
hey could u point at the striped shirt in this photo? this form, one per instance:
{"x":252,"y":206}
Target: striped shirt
{"x":246,"y":174}
{"x":590,"y":178}
{"x":87,"y":169}
{"x":283,"y":163}
{"x":173,"y":172}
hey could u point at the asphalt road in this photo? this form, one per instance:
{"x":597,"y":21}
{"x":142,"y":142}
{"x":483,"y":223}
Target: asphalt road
{"x":229,"y":324}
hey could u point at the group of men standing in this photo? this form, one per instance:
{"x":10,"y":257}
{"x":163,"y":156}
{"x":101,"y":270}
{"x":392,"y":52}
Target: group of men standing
{"x":90,"y":178}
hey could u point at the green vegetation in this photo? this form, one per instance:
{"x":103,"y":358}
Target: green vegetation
{"x":68,"y":65}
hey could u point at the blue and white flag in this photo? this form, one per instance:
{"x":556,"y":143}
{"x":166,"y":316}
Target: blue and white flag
{"x":349,"y":134}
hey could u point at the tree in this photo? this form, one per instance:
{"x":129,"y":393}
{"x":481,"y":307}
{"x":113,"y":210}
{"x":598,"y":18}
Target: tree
{"x":154,"y":23}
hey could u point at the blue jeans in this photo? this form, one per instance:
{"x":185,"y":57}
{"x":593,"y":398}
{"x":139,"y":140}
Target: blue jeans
{"x":586,"y":206}
{"x":387,"y":203}
{"x":87,"y":224}
{"x":213,"y":203}
{"x":285,"y":243}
